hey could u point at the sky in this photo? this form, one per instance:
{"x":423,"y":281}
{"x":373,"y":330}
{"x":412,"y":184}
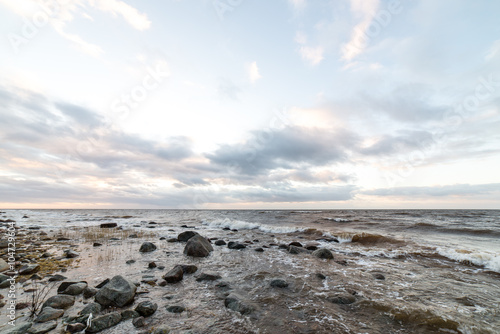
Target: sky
{"x":239,"y":104}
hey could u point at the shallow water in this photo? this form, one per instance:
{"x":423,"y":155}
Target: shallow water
{"x":435,"y":282}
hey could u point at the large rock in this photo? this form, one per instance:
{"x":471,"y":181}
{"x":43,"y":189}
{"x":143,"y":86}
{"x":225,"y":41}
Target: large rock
{"x":119,"y":292}
{"x":43,"y":327}
{"x":198,"y":246}
{"x":175,"y":275}
{"x":21,"y":328}
{"x":48,"y":313}
{"x":92,"y":308}
{"x":185,"y":236}
{"x":147,"y":247}
{"x":104,"y":321}
{"x":59,"y":302}
{"x":323,"y":253}
{"x":146,"y":308}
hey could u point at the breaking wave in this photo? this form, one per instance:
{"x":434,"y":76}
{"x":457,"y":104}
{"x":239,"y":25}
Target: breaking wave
{"x":244,"y":225}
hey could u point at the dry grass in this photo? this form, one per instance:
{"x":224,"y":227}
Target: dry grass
{"x":97,"y":234}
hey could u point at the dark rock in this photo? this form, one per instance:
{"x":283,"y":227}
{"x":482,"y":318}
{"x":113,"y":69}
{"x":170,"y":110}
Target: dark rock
{"x":198,"y":246}
{"x":295,"y":243}
{"x":226,"y":229}
{"x":320,"y":276}
{"x":146,"y":308}
{"x":29,"y":269}
{"x":151,"y":265}
{"x":94,"y":308}
{"x":59,"y":302}
{"x":342,"y":299}
{"x":235,"y":245}
{"x":103,"y":283}
{"x":235,"y":302}
{"x":323,"y":253}
{"x":279,"y":283}
{"x":259,"y":249}
{"x":96,"y":244}
{"x":185,"y":236}
{"x":63,"y":239}
{"x":75,"y":328}
{"x":379,"y":276}
{"x":172,"y":240}
{"x":175,"y":309}
{"x":130,"y":261}
{"x":71,"y":288}
{"x":295,"y":250}
{"x":208,"y":277}
{"x":220,"y":243}
{"x":282,"y":246}
{"x":70,"y":254}
{"x":21,"y":328}
{"x":162,"y":283}
{"x":175,"y":275}
{"x":104,"y":321}
{"x":311,"y":247}
{"x":139,"y":322}
{"x":42,"y":328}
{"x":466,"y":301}
{"x":109,"y":225}
{"x":48,"y":313}
{"x":147,"y":247}
{"x":35,"y":277}
{"x":118,"y":292}
{"x":189,"y":268}
{"x":89,"y":292}
{"x":129,"y":314}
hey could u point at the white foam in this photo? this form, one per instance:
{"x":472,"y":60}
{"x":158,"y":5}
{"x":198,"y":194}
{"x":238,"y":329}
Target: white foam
{"x":244,"y":225}
{"x":339,"y":220}
{"x":490,"y":261}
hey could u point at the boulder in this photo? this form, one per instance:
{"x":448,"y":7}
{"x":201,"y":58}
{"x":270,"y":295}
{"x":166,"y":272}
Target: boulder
{"x":29,"y":269}
{"x":48,"y":313}
{"x":146,"y":308}
{"x":175,"y":275}
{"x":104,"y":321}
{"x":21,"y":328}
{"x":92,"y":308}
{"x":89,"y":292}
{"x":61,"y":302}
{"x":185,"y":236}
{"x":71,"y":288}
{"x":323,"y":253}
{"x":198,"y":246}
{"x":119,"y":292}
{"x":147,"y":247}
{"x":235,"y":245}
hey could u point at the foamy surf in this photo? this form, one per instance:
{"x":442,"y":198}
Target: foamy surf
{"x":487,"y":260}
{"x":244,"y":225}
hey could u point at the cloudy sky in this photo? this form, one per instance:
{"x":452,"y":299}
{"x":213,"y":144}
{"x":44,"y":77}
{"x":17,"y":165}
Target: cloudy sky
{"x":249,"y":104}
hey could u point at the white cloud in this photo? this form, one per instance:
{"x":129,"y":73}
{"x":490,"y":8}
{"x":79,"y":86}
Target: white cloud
{"x":300,"y":37}
{"x":133,"y":17}
{"x":365,"y":10}
{"x":313,"y":55}
{"x":253,"y":72}
{"x":298,"y":4}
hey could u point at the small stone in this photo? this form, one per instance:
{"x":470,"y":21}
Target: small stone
{"x":29,"y":269}
{"x":295,"y":243}
{"x":379,"y":276}
{"x":109,"y":225}
{"x":279,"y":283}
{"x":259,"y":249}
{"x":295,"y":250}
{"x":139,"y":322}
{"x":320,"y":276}
{"x":129,"y":314}
{"x":49,"y":313}
{"x":151,"y":265}
{"x":147,"y":247}
{"x":57,"y":278}
{"x":208,"y":277}
{"x":146,"y":308}
{"x":75,"y":328}
{"x":323,"y":253}
{"x":342,"y":299}
{"x":175,"y":275}
{"x":161,"y":330}
{"x":175,"y":309}
{"x":71,"y":254}
{"x":96,"y":244}
{"x":119,"y":292}
{"x":130,"y":261}
{"x":235,"y":245}
{"x":220,"y":243}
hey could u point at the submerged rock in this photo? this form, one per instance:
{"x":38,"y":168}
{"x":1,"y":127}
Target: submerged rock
{"x":323,"y":253}
{"x":279,"y":283}
{"x":208,"y":277}
{"x":175,"y":308}
{"x":235,"y":302}
{"x":119,"y":292}
{"x":379,"y":276}
{"x":342,"y":299}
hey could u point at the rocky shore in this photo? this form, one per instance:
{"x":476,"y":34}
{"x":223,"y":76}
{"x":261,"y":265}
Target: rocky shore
{"x":114,"y":280}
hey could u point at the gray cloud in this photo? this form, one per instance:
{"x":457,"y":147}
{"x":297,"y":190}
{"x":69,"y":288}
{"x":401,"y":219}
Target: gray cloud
{"x":437,"y":191}
{"x":388,"y":144}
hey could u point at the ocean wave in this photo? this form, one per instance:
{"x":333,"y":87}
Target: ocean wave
{"x":338,"y":220}
{"x":487,"y":260}
{"x":367,"y":238}
{"x":244,"y":225}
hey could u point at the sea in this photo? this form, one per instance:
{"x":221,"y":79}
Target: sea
{"x":410,"y":271}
